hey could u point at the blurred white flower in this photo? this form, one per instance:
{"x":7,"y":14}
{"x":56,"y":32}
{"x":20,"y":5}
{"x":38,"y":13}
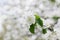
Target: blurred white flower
{"x":30,"y":19}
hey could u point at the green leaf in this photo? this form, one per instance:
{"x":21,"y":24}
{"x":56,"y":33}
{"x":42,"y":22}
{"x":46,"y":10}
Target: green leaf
{"x":44,"y":31}
{"x":32,"y":28}
{"x":55,"y":18}
{"x":37,"y":17}
{"x":52,"y":1}
{"x":38,"y":20}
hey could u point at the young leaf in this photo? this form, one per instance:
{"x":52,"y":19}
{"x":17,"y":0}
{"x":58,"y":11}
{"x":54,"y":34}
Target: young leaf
{"x":37,"y":17}
{"x":44,"y":31}
{"x":38,"y":20}
{"x":32,"y":28}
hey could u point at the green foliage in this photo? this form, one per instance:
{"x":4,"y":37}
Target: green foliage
{"x":52,"y":0}
{"x":39,"y":22}
{"x":44,"y":31}
{"x":32,"y":28}
{"x":55,"y":18}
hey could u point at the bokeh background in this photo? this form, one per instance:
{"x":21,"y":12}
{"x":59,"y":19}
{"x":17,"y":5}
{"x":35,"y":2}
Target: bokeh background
{"x":16,"y":16}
